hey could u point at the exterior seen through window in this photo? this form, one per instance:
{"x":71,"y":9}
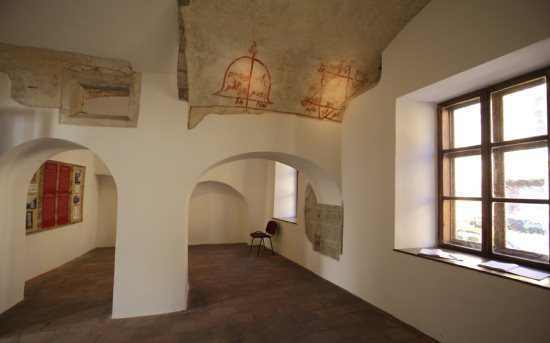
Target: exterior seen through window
{"x":493,"y":171}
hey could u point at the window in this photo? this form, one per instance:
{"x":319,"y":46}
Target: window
{"x":493,"y":171}
{"x":285,"y":193}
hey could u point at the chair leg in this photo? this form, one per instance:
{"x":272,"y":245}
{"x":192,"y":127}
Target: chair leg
{"x":271,"y":243}
{"x":259,"y":247}
{"x":251,"y":243}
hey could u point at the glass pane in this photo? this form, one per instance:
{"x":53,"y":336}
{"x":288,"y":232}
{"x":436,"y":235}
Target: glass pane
{"x":467,"y":176}
{"x":522,"y":227}
{"x":466,"y":221}
{"x":521,"y":174}
{"x":524,"y":113}
{"x":467,"y":126}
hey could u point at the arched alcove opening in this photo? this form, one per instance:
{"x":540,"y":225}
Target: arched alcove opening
{"x":252,"y":175}
{"x":218,"y":214}
{"x":81,"y":237}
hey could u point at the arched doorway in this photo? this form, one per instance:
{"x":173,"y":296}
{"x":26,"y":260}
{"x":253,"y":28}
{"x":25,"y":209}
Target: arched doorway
{"x":30,"y":258}
{"x":252,"y":175}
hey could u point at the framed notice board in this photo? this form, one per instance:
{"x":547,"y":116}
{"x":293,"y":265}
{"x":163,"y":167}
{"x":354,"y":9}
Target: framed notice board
{"x":55,"y":196}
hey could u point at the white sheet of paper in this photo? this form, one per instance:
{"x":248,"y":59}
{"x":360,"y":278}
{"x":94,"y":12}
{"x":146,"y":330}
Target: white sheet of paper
{"x":76,"y":213}
{"x":505,"y":267}
{"x":530,"y":273}
{"x":431,"y":252}
{"x":437,"y":253}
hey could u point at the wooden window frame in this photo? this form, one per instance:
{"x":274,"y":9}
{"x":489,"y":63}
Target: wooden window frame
{"x":491,"y":124}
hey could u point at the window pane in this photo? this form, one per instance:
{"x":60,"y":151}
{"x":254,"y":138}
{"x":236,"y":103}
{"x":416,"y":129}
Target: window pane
{"x":521,"y":227}
{"x":462,"y":219}
{"x":521,"y":174}
{"x":466,"y":126}
{"x":467,"y":176}
{"x":524,"y":113}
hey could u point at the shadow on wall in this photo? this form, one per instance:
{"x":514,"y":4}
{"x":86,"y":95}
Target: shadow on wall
{"x":218,"y":214}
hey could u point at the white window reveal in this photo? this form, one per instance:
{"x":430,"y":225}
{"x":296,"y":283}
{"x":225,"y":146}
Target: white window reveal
{"x":285,"y":193}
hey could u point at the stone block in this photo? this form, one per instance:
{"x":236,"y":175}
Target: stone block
{"x":64,"y":80}
{"x":323,"y":225}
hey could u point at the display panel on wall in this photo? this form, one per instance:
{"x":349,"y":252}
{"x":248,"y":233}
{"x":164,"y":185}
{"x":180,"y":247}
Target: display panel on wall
{"x":54,"y":196}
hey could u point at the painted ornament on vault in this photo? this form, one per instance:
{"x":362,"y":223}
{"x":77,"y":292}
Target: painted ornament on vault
{"x":336,"y":87}
{"x":247,"y":82}
{"x":253,"y":57}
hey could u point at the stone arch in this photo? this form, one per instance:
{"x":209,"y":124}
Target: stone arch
{"x":17,"y":167}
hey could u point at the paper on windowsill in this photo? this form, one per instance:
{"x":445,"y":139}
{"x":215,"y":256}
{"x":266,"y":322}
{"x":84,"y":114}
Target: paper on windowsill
{"x":513,"y":268}
{"x":438,"y":253}
{"x":530,"y":273}
{"x":498,"y":266}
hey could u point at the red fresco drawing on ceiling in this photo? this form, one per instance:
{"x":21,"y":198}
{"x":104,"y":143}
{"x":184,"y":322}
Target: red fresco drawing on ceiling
{"x":247,"y":80}
{"x":336,"y":87}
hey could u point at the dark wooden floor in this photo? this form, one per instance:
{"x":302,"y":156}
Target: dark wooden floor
{"x":234,"y":297}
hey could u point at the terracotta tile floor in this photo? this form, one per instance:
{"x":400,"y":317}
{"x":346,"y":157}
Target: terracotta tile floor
{"x":234,"y":297}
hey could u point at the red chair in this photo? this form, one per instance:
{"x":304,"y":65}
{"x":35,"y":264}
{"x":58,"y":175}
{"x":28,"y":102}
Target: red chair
{"x":270,"y":229}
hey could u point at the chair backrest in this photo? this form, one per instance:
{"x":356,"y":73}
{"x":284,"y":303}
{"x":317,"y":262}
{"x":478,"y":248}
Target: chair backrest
{"x":271,"y":227}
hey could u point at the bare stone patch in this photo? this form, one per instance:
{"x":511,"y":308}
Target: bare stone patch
{"x":55,"y":79}
{"x":324,"y":225}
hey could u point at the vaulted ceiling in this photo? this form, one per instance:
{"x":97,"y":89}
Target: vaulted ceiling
{"x":143,"y":32}
{"x":306,"y":57}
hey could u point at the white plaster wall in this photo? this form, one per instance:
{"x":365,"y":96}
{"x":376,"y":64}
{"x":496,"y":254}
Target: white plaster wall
{"x":249,"y":178}
{"x":100,"y":168}
{"x":218,"y":214}
{"x":451,"y":304}
{"x":448,"y":303}
{"x":155,"y":167}
{"x":416,"y":175}
{"x":106,"y":211}
{"x":49,"y":249}
{"x":290,"y":239}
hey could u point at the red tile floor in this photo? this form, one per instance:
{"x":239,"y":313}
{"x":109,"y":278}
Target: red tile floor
{"x":234,"y":297}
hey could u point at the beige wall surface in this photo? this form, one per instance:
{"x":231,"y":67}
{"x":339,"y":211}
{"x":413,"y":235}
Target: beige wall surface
{"x":157,"y":165}
{"x":218,"y":214}
{"x":291,"y":240}
{"x":106,"y":211}
{"x":249,"y":178}
{"x":448,"y":303}
{"x":49,"y":249}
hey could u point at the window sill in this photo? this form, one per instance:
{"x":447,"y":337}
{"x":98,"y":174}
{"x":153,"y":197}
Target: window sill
{"x":288,"y":220}
{"x":471,"y":262}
